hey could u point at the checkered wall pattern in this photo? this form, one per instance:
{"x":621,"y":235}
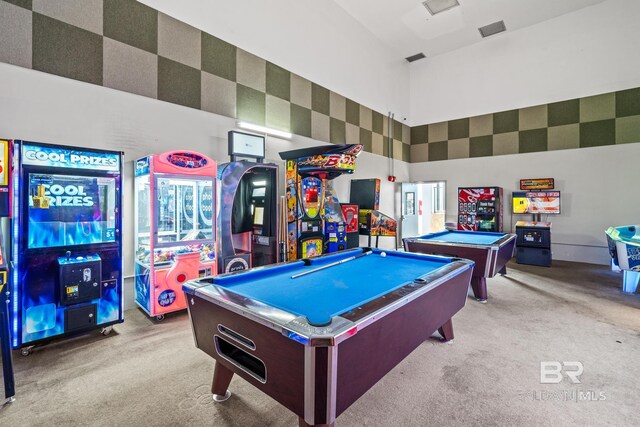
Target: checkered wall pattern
{"x":607,"y":119}
{"x":126,"y":45}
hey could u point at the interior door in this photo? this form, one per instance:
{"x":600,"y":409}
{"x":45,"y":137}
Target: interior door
{"x":409,"y":218}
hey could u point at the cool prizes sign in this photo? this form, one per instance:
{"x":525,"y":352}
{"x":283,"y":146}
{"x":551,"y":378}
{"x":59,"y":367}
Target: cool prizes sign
{"x":57,"y":157}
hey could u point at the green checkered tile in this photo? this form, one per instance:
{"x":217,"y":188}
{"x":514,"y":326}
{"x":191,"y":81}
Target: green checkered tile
{"x":366,"y":139}
{"x":337,"y":131}
{"x":594,"y":134}
{"x":27,"y":4}
{"x":406,"y":134}
{"x":419,"y":134}
{"x":627,"y":129}
{"x":66,"y":50}
{"x":506,"y":121}
{"x":458,"y":128}
{"x":218,"y":57}
{"x":300,"y":120}
{"x":251,"y":105}
{"x":179,"y":83}
{"x":533,"y":140}
{"x":278,"y":82}
{"x":397,"y":130}
{"x":385,"y":146}
{"x":131,"y":22}
{"x":438,"y":150}
{"x":564,"y":113}
{"x":481,"y":146}
{"x":377,"y":122}
{"x":320,"y":99}
{"x":353,"y":112}
{"x":406,"y":153}
{"x":628,"y":103}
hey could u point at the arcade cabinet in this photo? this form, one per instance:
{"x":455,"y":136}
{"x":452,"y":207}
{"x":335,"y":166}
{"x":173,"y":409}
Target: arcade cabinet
{"x":480,"y":209}
{"x":67,"y":247}
{"x":175,"y":227}
{"x":5,"y":274}
{"x":350,"y":213}
{"x":371,"y":222}
{"x":624,"y":248}
{"x":307,"y":173}
{"x":248,"y":216}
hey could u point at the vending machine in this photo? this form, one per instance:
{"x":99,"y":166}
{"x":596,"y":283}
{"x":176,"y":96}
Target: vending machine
{"x":480,"y":209}
{"x":5,"y":272}
{"x":175,"y":227}
{"x":67,"y":248}
{"x":307,"y":173}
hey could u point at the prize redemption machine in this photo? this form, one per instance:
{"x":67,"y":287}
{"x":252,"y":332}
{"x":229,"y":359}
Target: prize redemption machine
{"x":175,"y":225}
{"x":480,"y":209}
{"x":67,"y":247}
{"x":248,"y":214}
{"x":308,"y":172}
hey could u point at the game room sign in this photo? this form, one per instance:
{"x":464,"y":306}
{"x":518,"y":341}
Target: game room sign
{"x":537,"y":184}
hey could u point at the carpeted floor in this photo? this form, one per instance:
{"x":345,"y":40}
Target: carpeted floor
{"x":149,"y":373}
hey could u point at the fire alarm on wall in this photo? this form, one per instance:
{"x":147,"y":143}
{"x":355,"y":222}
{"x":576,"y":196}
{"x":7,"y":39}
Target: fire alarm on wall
{"x":392,"y":178}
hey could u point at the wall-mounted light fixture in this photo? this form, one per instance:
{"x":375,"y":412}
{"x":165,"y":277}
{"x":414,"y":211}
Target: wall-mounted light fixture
{"x":263,"y":129}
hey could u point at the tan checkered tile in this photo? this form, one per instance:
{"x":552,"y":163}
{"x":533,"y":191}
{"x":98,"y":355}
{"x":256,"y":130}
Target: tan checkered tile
{"x":377,"y":144}
{"x":218,"y":95}
{"x":17,"y":35}
{"x":438,"y":131}
{"x":86,"y":14}
{"x":337,"y":106}
{"x":599,"y":107}
{"x":179,"y":41}
{"x":397,"y":149}
{"x":505,"y":143}
{"x":300,"y":91}
{"x":533,"y":117}
{"x":366,"y":117}
{"x":627,"y":129}
{"x":563,"y":137}
{"x":419,"y":153}
{"x":320,"y":126}
{"x":458,"y":148}
{"x":129,"y":69}
{"x":278,"y":113}
{"x":352,"y":134}
{"x":481,"y":125}
{"x":251,"y":70}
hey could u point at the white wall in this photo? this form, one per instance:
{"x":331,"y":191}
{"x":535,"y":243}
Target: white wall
{"x":588,"y":52}
{"x":317,"y":40}
{"x":598,"y":189}
{"x":46,"y":108}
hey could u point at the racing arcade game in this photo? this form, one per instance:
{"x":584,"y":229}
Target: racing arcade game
{"x":248,"y":216}
{"x":67,"y":247}
{"x":307,"y":174}
{"x":175,"y":227}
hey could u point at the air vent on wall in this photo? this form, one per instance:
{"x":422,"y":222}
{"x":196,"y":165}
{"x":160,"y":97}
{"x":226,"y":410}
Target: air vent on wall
{"x":437,"y":6}
{"x":491,"y":29}
{"x":415,"y":57}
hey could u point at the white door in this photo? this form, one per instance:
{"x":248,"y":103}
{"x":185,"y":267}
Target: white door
{"x":409,"y":218}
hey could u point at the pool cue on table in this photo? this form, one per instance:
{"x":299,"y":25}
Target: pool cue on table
{"x":333,"y":264}
{"x":282,"y":236}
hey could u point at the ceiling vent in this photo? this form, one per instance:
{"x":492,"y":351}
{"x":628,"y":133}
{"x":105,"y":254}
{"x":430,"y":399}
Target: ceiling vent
{"x":491,"y":29}
{"x":415,"y":57}
{"x":436,"y":6}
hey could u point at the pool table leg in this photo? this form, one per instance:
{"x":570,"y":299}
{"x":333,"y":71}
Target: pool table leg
{"x":446,"y":330}
{"x":503,"y":270}
{"x":221,"y":379}
{"x":479,"y":286}
{"x":303,"y":423}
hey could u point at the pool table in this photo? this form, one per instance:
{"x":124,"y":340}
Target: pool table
{"x":490,"y":252}
{"x":316,"y":334}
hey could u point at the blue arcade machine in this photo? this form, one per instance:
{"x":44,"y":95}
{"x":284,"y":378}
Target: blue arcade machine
{"x":67,"y":245}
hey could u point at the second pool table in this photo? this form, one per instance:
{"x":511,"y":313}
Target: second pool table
{"x":316,"y":342}
{"x":490,"y":251}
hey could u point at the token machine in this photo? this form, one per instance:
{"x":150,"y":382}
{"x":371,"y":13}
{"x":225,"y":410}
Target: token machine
{"x":248,"y":214}
{"x":175,"y":227}
{"x":67,"y":249}
{"x":307,"y":174}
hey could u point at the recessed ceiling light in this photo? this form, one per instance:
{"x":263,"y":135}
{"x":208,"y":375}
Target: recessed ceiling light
{"x":437,"y":6}
{"x":491,"y":29}
{"x":415,"y":57}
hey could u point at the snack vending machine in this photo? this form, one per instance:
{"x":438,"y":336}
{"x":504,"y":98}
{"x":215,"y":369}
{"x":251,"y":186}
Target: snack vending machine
{"x":67,"y":247}
{"x":175,"y":227}
{"x":480,"y":209}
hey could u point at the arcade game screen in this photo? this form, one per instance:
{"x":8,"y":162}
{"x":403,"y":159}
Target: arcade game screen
{"x":69,"y":210}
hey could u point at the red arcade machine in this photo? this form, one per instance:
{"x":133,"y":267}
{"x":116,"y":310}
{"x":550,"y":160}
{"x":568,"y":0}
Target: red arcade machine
{"x":480,"y":209}
{"x":307,"y":173}
{"x":175,"y":227}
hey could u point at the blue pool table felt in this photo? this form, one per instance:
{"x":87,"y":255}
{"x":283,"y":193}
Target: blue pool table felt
{"x":326,"y":293}
{"x":466,"y":237}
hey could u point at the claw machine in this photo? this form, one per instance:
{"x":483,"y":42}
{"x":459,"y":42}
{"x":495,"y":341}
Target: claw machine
{"x":175,"y":227}
{"x":67,"y":248}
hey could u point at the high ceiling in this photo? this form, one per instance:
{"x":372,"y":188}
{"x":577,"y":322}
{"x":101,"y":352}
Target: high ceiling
{"x":408,"y":28}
